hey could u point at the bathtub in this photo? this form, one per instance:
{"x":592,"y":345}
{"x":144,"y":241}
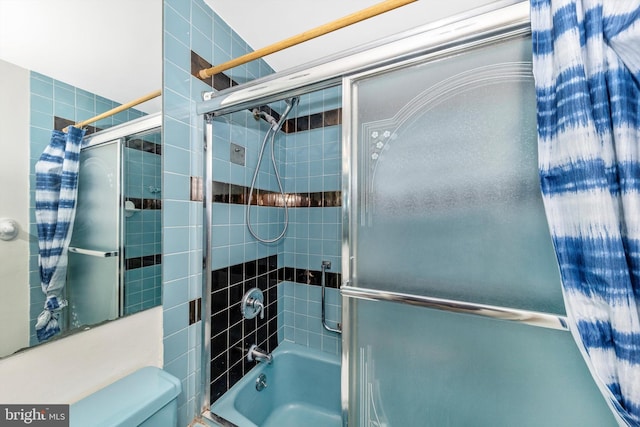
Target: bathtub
{"x":303,"y":389}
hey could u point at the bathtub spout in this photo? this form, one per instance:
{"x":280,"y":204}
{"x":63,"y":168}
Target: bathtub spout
{"x":259,"y":355}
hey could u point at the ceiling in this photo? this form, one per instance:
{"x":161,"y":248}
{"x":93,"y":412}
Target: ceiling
{"x":262,"y":23}
{"x":113,"y":48}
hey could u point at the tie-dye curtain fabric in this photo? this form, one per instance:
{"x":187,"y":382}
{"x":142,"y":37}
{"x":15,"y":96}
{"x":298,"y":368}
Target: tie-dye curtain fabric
{"x":55,"y":196}
{"x":586,"y":64}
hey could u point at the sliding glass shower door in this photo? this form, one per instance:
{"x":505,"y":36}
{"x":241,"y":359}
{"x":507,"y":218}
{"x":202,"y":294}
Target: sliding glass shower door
{"x":453,"y":299}
{"x":94,"y":273}
{"x":115,"y":255}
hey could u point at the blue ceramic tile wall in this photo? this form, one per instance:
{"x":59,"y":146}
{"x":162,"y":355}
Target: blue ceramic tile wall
{"x":143,"y":228}
{"x":191,"y":25}
{"x":232,"y":244}
{"x":313,"y":164}
{"x":50,"y":98}
{"x":301,"y":317}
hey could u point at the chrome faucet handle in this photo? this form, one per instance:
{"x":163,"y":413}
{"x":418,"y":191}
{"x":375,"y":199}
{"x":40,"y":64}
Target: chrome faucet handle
{"x":252,"y":304}
{"x":257,"y":305}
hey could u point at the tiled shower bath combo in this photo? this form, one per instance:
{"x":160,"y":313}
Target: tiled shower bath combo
{"x":379,"y":178}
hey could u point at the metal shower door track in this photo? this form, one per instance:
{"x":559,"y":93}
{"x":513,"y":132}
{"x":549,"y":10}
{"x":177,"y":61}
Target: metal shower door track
{"x":477,"y":25}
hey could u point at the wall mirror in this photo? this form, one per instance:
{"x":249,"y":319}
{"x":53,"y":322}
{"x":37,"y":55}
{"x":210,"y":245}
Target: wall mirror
{"x":70,"y":60}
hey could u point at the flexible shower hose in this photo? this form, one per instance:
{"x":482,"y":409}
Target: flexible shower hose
{"x":273,"y":132}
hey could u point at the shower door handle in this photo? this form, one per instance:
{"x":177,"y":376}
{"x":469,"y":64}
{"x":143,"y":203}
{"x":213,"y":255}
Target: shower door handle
{"x":99,"y":254}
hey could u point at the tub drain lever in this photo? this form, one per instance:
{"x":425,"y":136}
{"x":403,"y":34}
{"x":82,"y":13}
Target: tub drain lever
{"x":261,"y":382}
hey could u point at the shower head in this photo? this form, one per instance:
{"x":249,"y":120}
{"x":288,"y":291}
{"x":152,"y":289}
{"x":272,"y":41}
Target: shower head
{"x":258,"y":114}
{"x":276,"y":124}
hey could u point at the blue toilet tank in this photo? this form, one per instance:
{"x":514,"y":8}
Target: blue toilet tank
{"x":147,"y":397}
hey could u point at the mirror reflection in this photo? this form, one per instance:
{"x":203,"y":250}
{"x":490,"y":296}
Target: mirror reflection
{"x":114,"y":260}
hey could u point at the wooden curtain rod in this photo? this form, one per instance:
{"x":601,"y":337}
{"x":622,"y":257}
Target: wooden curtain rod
{"x":116,"y":110}
{"x":339,"y":23}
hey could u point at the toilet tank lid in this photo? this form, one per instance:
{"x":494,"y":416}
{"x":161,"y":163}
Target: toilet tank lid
{"x":133,"y":398}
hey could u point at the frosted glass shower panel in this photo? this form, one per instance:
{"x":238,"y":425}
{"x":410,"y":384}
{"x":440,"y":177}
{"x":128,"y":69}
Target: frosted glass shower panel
{"x":448,"y":202}
{"x":93,"y":282}
{"x":413,"y":366}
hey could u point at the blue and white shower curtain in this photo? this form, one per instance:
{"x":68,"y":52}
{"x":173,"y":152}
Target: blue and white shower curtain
{"x":586,"y":65}
{"x":55,"y":197}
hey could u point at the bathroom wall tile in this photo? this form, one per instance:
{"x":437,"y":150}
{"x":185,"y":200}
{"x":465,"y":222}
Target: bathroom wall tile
{"x":331,"y":345}
{"x":300,"y":319}
{"x":220,"y":54}
{"x":314,"y":341}
{"x":175,"y":319}
{"x":221,"y":170}
{"x":332,"y":182}
{"x":180,"y":6}
{"x":222,"y":38}
{"x":220,"y":257}
{"x":174,"y":293}
{"x":85,"y":100}
{"x":180,"y":160}
{"x":176,"y":213}
{"x":176,"y":52}
{"x":179,"y":368}
{"x":176,"y":240}
{"x":288,"y":334}
{"x":202,"y":44}
{"x":174,"y":345}
{"x":175,"y":266}
{"x":236,"y":254}
{"x":39,"y":119}
{"x":177,"y":79}
{"x":42,"y":85}
{"x":68,"y":111}
{"x":177,"y":25}
{"x":176,"y":106}
{"x":301,"y":336}
{"x":202,"y":21}
{"x":41,"y":103}
{"x":176,"y":186}
{"x":64,"y":93}
{"x":195,"y":283}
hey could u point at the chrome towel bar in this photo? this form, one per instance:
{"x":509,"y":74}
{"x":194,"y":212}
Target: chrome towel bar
{"x":533,"y":318}
{"x":100,"y":254}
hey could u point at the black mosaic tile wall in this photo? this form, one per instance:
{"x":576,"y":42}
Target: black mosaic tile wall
{"x":231,"y":335}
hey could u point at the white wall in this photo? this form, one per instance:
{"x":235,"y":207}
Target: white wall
{"x":14,"y":204}
{"x":104,"y":52}
{"x":71,"y":368}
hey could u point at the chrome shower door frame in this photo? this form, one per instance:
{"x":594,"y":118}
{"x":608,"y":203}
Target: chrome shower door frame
{"x":112,"y":252}
{"x":485,"y":25}
{"x":503,"y":29}
{"x":118,"y":134}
